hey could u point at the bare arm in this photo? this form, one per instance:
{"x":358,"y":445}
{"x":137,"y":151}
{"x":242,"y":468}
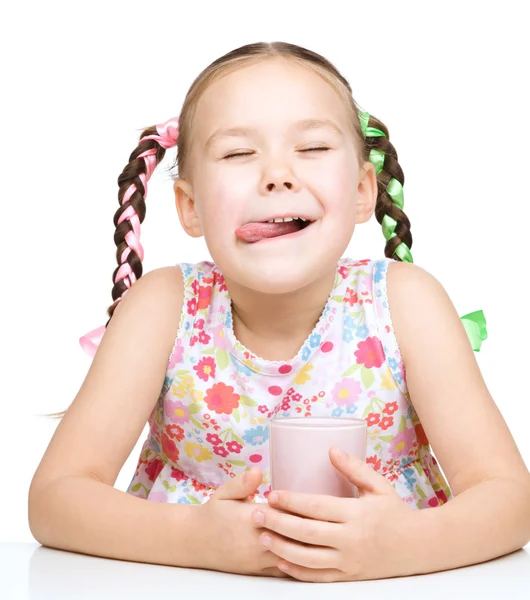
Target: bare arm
{"x":490,"y":514}
{"x":72,"y":502}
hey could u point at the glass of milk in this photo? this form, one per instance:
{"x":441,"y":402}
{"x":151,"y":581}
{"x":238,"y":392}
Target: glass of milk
{"x":299,"y":453}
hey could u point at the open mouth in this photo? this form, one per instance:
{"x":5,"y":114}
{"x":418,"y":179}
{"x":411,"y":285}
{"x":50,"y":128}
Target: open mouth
{"x":258,"y":231}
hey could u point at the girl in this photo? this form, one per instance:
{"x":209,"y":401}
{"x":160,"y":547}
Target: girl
{"x":277,"y":165}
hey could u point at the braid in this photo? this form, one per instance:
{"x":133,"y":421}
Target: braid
{"x":390,"y":179}
{"x":132,"y":182}
{"x":127,"y":219}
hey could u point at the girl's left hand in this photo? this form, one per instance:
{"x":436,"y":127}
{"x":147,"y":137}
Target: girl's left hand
{"x":325,"y":538}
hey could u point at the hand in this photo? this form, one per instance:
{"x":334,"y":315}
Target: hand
{"x":230,"y":542}
{"x":326,"y":539}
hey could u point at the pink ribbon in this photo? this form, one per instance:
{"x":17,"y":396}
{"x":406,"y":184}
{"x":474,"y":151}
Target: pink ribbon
{"x":167,"y":137}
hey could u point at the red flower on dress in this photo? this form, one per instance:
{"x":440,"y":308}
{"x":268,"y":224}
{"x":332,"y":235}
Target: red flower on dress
{"x":374,"y":461}
{"x":370,"y":352}
{"x":386,"y":422}
{"x":205,"y":368}
{"x":390,"y":408}
{"x":373,"y":419}
{"x":169,"y":448}
{"x":263,"y":409}
{"x":153,"y":468}
{"x":175,"y":431}
{"x":178,"y":474}
{"x":221,"y":398}
{"x":205,"y":296}
{"x":220,"y":451}
{"x":214,"y":439}
{"x":420,"y":435}
{"x":351,"y":297}
{"x":234,"y":447}
{"x":192,"y":306}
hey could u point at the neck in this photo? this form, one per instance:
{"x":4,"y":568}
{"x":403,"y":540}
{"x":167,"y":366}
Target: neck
{"x":274,"y":326}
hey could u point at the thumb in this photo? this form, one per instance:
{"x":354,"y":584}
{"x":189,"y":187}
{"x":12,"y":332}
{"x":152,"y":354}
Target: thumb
{"x":359,"y":473}
{"x":241,"y":486}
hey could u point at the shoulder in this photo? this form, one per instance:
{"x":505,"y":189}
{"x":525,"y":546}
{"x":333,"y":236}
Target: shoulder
{"x":423,"y":315}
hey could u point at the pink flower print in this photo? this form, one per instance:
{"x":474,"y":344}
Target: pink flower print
{"x":346,"y":392}
{"x":153,"y":468}
{"x":370,"y":352}
{"x":402,"y":443}
{"x":205,"y":368}
{"x":160,"y":496}
{"x":177,"y":411}
{"x":213,"y":439}
{"x":176,"y":357}
{"x":441,"y":495}
{"x":219,"y":340}
{"x":195,"y":286}
{"x":263,"y":409}
{"x":343,"y":272}
{"x":199,"y":324}
{"x":234,"y":447}
{"x":374,"y":462}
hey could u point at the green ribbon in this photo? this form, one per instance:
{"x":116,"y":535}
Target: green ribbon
{"x":474,"y":323}
{"x":475,"y":326}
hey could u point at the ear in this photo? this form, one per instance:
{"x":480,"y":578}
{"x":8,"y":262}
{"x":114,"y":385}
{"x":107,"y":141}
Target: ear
{"x":189,"y":219}
{"x":366,"y":193}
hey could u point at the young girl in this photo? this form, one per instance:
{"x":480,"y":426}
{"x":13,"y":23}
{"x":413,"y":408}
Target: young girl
{"x":277,"y":165}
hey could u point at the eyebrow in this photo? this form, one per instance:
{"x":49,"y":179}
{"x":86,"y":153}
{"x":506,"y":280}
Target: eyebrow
{"x":302,"y":125}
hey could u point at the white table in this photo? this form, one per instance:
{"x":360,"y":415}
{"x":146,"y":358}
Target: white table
{"x":30,"y":571}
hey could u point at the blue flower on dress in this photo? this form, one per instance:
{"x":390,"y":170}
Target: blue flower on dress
{"x":257,"y":435}
{"x":240,"y":367}
{"x":347,"y":335}
{"x":409,"y":478}
{"x":349,"y":322}
{"x":393,"y":363}
{"x":351,"y":409}
{"x":379,"y":271}
{"x":362,"y":331}
{"x":186,"y":269}
{"x":182,"y":500}
{"x":155,"y":445}
{"x":397,"y":377}
{"x":337,"y":412}
{"x":306,"y":352}
{"x":228,"y":319}
{"x":314,"y":340}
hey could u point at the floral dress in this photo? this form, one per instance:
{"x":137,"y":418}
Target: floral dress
{"x":211,"y":419}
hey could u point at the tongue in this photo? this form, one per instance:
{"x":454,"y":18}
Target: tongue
{"x":254,"y":232}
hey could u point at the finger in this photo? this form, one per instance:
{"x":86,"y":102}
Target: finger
{"x":308,"y":531}
{"x":241,"y":486}
{"x":312,"y":557}
{"x":314,"y":506}
{"x":359,"y":473}
{"x":311,"y":575}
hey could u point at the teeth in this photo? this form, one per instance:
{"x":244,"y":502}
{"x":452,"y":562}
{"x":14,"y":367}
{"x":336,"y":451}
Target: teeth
{"x":287,"y":219}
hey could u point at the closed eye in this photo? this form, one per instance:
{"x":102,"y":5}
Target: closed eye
{"x":304,"y":150}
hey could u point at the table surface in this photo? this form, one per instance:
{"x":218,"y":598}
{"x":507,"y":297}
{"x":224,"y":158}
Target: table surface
{"x":30,"y":571}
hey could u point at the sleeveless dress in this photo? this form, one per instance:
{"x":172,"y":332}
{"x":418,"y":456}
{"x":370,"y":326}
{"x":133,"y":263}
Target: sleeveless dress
{"x":211,"y":419}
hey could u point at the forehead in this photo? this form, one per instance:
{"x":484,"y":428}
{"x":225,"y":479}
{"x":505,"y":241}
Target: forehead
{"x":273,"y":94}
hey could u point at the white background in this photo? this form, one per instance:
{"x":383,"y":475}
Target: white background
{"x":80,"y":81}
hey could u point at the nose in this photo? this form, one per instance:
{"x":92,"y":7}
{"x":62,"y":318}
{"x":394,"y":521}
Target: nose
{"x":279,"y":177}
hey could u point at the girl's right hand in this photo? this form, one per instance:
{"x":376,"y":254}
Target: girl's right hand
{"x":229,"y":540}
